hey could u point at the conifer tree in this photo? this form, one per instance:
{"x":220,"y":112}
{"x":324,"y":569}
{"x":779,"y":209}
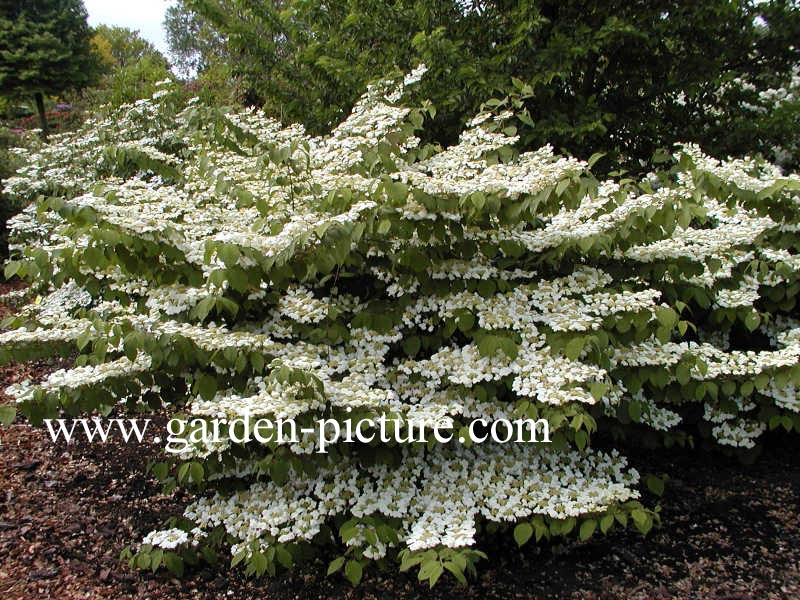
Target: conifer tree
{"x":44,"y":49}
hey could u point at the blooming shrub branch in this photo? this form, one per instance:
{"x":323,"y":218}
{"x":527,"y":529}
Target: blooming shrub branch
{"x":226,"y":266}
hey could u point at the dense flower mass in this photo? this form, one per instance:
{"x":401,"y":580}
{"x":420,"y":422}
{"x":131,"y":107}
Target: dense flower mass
{"x":227,"y":266}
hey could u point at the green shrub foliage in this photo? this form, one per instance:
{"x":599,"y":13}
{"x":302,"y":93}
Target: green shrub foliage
{"x":223,"y":265}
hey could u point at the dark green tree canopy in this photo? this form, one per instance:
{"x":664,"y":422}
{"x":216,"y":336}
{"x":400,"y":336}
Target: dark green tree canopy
{"x":612,"y":75}
{"x":44,"y":46}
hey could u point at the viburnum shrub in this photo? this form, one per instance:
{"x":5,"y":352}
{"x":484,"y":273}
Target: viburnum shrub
{"x":223,"y":265}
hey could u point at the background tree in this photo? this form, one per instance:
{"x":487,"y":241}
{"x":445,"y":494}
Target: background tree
{"x":200,"y":53}
{"x":124,"y":46}
{"x":615,"y":76}
{"x":195,"y":45}
{"x":131,"y":66}
{"x":44,"y":49}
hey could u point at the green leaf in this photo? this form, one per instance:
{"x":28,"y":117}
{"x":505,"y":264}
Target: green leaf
{"x":683,"y":374}
{"x":84,"y":339}
{"x":279,"y":471}
{"x":229,"y":254}
{"x":160,"y":471}
{"x":486,"y":288}
{"x":335,"y":565}
{"x":457,"y":572}
{"x":284,"y":557}
{"x":238,"y":279}
{"x":586,"y":243}
{"x":431,"y":570}
{"x":384,"y":226}
{"x":155,"y":559}
{"x":728,"y":387}
{"x":574,"y":348}
{"x":258,"y":563}
{"x":206,"y":386}
{"x":606,"y":521}
{"x":412,"y":345}
{"x":682,"y":327}
{"x":143,"y":560}
{"x":666,"y":316}
{"x":7,"y":414}
{"x":202,"y":308}
{"x":621,"y":518}
{"x":641,"y":520}
{"x":488,"y":345}
{"x":541,"y":528}
{"x":598,"y":390}
{"x":12,"y":268}
{"x":594,"y":158}
{"x":196,"y":472}
{"x":508,"y":347}
{"x":238,"y":558}
{"x":752,"y":321}
{"x":525,"y":117}
{"x":522,"y":533}
{"x":174,"y":564}
{"x":635,"y":411}
{"x":257,"y":362}
{"x":410,"y":559}
{"x":436,"y":573}
{"x":587,"y":529}
{"x":353,"y":571}
{"x":655,"y":485}
{"x":762,"y":381}
{"x":466,"y":322}
{"x":183,"y":472}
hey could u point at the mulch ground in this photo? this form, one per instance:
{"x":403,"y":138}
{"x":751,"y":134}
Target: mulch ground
{"x":730,"y":533}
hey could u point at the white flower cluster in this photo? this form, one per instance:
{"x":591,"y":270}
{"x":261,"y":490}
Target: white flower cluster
{"x":299,"y":304}
{"x":272,"y":398}
{"x":700,"y":245}
{"x":657,"y":417}
{"x":715,"y":363}
{"x":786,"y":94}
{"x":57,"y":306}
{"x":173,"y":299}
{"x":78,"y":377}
{"x":68,"y":331}
{"x":438,"y":495}
{"x":745,"y":295}
{"x":168,"y":539}
{"x":740,"y":433}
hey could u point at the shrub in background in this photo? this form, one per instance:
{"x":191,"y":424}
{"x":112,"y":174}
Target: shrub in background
{"x":624,"y":78}
{"x":13,"y":145}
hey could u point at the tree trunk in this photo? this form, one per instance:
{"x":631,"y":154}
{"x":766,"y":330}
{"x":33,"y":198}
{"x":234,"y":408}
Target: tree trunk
{"x":42,"y":115}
